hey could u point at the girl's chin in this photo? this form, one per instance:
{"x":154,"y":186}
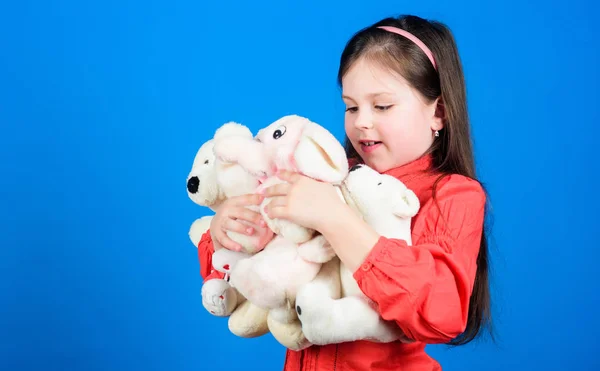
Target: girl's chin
{"x":376,"y":165}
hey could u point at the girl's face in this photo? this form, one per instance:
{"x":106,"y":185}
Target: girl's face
{"x":388,"y":122}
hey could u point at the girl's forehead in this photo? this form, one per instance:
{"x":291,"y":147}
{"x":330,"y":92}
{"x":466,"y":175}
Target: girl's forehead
{"x":372,"y":81}
{"x":366,"y":68}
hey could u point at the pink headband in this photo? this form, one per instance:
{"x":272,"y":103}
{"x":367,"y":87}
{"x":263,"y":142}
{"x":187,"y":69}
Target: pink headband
{"x":412,"y":38}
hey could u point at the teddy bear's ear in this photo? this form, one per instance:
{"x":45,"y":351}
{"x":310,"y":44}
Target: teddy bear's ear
{"x":247,"y":152}
{"x":232,"y":128}
{"x":320,"y":155}
{"x":406,"y":206}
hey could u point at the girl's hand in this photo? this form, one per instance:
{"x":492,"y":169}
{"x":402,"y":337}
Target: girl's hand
{"x":303,"y":200}
{"x":229,"y":217}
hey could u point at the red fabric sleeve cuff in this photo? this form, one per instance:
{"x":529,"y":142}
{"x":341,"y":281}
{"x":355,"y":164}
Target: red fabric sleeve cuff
{"x":376,"y":254}
{"x":205,"y":251}
{"x":206,"y":240}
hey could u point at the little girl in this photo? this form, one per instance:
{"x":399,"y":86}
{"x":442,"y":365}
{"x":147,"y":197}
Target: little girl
{"x":406,"y":115}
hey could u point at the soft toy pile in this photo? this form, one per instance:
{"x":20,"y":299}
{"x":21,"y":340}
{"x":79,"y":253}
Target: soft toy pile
{"x":288,"y":280}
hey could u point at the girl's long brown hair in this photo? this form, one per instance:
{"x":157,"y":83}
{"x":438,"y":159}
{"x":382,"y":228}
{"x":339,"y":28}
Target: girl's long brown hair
{"x":452,"y":151}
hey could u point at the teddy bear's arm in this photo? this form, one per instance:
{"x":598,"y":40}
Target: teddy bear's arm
{"x":224,"y":260}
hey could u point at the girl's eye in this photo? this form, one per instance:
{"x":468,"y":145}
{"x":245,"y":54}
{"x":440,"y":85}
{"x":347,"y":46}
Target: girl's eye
{"x":384,"y":108}
{"x":351,"y":109}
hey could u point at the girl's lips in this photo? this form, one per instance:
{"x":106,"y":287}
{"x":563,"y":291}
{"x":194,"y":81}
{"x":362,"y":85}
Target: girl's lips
{"x":368,"y":149}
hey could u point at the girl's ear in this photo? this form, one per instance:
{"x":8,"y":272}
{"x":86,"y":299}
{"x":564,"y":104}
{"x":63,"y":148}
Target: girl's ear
{"x":406,"y":206}
{"x":439,"y":116}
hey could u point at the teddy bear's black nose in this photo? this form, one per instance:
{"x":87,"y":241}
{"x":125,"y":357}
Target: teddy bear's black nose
{"x":193,"y":184}
{"x":357,"y":166}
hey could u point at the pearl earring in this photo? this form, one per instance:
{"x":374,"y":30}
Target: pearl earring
{"x":437,"y":133}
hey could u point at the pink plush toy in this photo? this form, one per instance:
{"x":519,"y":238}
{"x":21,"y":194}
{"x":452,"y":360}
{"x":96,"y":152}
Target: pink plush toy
{"x":271,"y":277}
{"x":290,"y":143}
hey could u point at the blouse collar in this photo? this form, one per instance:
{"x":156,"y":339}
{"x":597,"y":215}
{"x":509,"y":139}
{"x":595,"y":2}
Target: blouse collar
{"x":420,"y":165}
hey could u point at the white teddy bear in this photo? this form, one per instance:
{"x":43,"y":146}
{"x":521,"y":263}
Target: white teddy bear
{"x":331,"y":307}
{"x":213,"y":180}
{"x":209,"y":183}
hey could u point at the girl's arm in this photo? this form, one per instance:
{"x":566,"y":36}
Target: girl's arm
{"x":425,"y":288}
{"x":351,"y":238}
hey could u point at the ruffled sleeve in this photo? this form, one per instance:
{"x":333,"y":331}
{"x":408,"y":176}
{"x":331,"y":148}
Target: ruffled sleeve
{"x":425,"y":288}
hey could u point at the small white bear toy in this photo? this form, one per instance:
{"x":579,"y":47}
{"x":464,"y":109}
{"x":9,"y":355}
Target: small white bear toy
{"x":331,"y":307}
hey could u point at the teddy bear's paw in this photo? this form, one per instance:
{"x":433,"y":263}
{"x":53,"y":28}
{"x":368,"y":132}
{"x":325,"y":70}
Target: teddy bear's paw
{"x":316,"y":250}
{"x":292,"y":232}
{"x":248,"y":320}
{"x":218,"y":297}
{"x":290,"y":335}
{"x":316,"y":317}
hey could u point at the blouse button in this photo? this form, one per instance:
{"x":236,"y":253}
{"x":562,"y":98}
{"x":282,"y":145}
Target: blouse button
{"x":365,"y":267}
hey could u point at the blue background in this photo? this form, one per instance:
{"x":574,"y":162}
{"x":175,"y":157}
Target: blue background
{"x":103,"y":106}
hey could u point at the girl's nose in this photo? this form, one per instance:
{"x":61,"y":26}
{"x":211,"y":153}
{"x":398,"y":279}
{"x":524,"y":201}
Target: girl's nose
{"x":363,"y":121}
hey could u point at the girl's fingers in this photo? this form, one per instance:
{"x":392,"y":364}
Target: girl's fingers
{"x":277,"y":208}
{"x":246,"y":200}
{"x":277,"y":211}
{"x":276,"y":202}
{"x":289,"y":176}
{"x":228,"y":243}
{"x":246,"y":214}
{"x":235,"y":226}
{"x":280,"y":189}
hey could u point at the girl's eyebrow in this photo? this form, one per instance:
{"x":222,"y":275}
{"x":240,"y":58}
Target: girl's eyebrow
{"x":371,"y":95}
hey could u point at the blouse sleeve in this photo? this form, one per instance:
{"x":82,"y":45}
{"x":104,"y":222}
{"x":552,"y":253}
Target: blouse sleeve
{"x":425,"y":288}
{"x":205,"y":252}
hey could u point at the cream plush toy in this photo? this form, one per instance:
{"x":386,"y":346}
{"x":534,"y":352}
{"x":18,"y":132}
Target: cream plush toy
{"x":332,"y":308}
{"x":209,"y":183}
{"x":271,"y":278}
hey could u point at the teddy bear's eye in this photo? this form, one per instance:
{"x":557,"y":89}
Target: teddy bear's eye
{"x":379,"y":184}
{"x":206,"y":162}
{"x":279,"y":132}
